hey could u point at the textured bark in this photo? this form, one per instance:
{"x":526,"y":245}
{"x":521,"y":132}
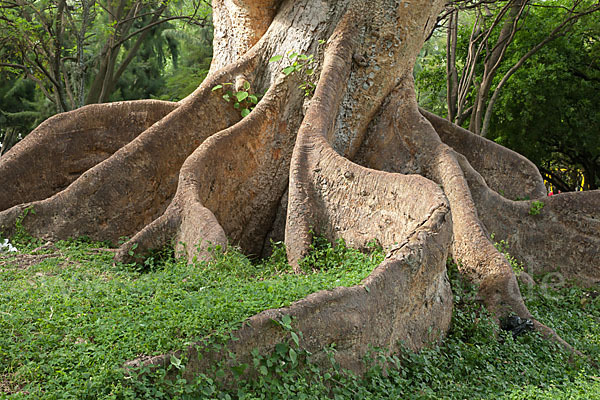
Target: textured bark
{"x":357,"y":161}
{"x":376,"y":313}
{"x":62,"y":148}
{"x":539,"y":240}
{"x":505,"y":172}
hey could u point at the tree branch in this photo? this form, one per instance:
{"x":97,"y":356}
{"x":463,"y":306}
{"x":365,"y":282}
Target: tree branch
{"x":556,"y":32}
{"x":38,"y":82}
{"x":555,"y":180}
{"x":149,"y":26}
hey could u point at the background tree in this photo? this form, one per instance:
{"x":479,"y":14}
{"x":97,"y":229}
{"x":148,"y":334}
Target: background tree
{"x":532,"y":109}
{"x":473,"y":91}
{"x":152,"y":67}
{"x":22,"y":108}
{"x":194,"y":55}
{"x":76,"y":52}
{"x":550,"y":111}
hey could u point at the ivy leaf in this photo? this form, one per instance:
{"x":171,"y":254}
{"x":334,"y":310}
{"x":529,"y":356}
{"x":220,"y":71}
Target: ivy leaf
{"x":275,"y":58}
{"x":241,"y":96}
{"x":245,"y":112}
{"x":239,"y":369}
{"x":253,"y":99}
{"x":217,"y":87}
{"x":176,"y":362}
{"x":286,"y":321}
{"x":293,"y":356}
{"x":281,"y":349}
{"x":246,"y":85}
{"x":289,"y":70}
{"x":295,"y":338}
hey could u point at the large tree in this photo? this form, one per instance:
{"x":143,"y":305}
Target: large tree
{"x":356,"y":160}
{"x":77,"y":52}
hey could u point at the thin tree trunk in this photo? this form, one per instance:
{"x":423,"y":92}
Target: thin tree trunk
{"x":451,"y":71}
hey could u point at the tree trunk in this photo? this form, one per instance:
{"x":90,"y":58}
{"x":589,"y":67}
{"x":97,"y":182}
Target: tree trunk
{"x":357,"y":161}
{"x":109,"y":69}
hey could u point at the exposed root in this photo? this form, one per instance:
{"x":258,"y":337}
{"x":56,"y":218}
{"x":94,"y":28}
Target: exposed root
{"x":202,"y":176}
{"x":128,"y":190}
{"x":332,"y":196}
{"x":478,"y":258}
{"x":24,"y":261}
{"x":230,"y":187}
{"x":65,"y":146}
{"x":317,"y":125}
{"x":379,"y":312}
{"x":561,"y":237}
{"x":155,"y":235}
{"x":505,"y":171}
{"x":407,"y":299}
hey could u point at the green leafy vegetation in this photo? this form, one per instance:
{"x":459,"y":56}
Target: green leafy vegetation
{"x":108,"y":51}
{"x":502,"y":247}
{"x":536,"y":207}
{"x":475,"y":361}
{"x":243,"y":99}
{"x":302,"y":64}
{"x":22,"y":108}
{"x":548,"y":110}
{"x":72,"y":318}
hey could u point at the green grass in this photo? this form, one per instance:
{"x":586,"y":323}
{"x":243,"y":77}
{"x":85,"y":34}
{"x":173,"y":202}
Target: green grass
{"x":474,"y":362}
{"x":70,"y":322}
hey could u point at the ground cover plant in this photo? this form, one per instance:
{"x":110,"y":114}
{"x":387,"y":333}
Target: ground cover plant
{"x":475,"y":361}
{"x":72,"y":317}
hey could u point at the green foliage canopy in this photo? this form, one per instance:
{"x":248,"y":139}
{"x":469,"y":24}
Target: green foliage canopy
{"x":549,"y":109}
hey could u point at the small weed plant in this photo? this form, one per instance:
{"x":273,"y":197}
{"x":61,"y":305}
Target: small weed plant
{"x":502,"y":247}
{"x":536,"y":207}
{"x":243,"y":100}
{"x":301,"y":64}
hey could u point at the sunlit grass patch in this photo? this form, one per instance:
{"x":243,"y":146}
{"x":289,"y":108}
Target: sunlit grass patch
{"x":73,"y":317}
